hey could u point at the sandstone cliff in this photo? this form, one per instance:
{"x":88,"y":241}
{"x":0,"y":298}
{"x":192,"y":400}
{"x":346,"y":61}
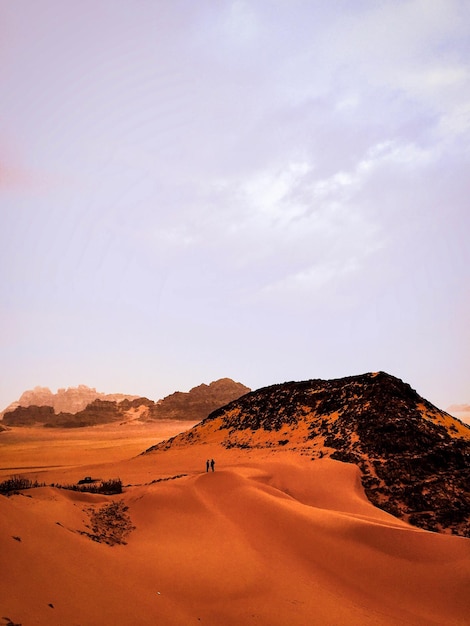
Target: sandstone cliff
{"x":70,"y":400}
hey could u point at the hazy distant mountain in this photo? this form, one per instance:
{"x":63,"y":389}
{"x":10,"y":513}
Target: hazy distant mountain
{"x":193,"y":406}
{"x":71,"y":400}
{"x":414,"y":458}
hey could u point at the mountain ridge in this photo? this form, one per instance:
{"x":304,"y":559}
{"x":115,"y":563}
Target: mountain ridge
{"x":193,"y":406}
{"x":65,"y":400}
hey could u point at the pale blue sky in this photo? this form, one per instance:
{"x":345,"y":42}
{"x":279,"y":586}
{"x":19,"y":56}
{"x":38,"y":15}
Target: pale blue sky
{"x":268,"y":190}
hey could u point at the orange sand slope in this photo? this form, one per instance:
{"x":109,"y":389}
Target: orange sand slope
{"x":272,"y":539}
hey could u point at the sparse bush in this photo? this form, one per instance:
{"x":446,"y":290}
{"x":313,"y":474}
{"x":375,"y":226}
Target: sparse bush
{"x":16,"y":484}
{"x":114,"y":485}
{"x":107,"y":487}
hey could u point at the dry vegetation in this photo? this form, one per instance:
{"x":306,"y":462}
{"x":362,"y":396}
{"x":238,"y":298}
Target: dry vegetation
{"x":110,"y":523}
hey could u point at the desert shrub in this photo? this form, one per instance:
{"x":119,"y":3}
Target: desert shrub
{"x":17,"y":483}
{"x":106,"y":487}
{"x":114,"y":485}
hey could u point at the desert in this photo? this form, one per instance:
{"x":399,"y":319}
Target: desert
{"x":275,"y":535}
{"x":271,"y":192}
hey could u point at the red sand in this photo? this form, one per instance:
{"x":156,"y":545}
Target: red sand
{"x":269,"y":538}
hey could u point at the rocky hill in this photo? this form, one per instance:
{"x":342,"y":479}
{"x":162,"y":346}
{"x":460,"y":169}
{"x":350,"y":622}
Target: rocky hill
{"x":414,"y":458}
{"x":193,"y":406}
{"x":197,"y":403}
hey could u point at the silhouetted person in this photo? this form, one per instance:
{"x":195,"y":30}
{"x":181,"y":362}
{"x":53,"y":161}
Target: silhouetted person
{"x":212,"y":464}
{"x":207,"y":465}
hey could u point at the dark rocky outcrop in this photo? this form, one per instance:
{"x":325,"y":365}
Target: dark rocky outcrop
{"x":97,"y":412}
{"x":414,"y":458}
{"x":127,"y":404}
{"x":28,"y":416}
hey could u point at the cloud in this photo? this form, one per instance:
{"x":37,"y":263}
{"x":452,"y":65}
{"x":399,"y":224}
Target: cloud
{"x":270,"y":194}
{"x":281,"y":206}
{"x":283,"y":222}
{"x":405,"y":47}
{"x":291,"y":231}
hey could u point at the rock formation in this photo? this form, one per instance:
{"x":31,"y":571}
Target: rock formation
{"x":197,"y":403}
{"x":70,"y":400}
{"x":192,"y":406}
{"x":28,"y":415}
{"x":414,"y":458}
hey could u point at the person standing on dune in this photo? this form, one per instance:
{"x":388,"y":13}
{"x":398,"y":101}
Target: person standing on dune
{"x":207,"y":465}
{"x":212,"y":464}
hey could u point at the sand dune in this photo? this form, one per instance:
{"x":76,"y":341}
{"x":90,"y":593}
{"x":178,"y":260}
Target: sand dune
{"x":268,"y":538}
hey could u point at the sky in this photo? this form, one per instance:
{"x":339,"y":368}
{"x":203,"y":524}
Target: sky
{"x":266,"y":190}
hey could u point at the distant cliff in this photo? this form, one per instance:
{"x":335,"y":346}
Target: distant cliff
{"x":192,"y":406}
{"x":71,"y":400}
